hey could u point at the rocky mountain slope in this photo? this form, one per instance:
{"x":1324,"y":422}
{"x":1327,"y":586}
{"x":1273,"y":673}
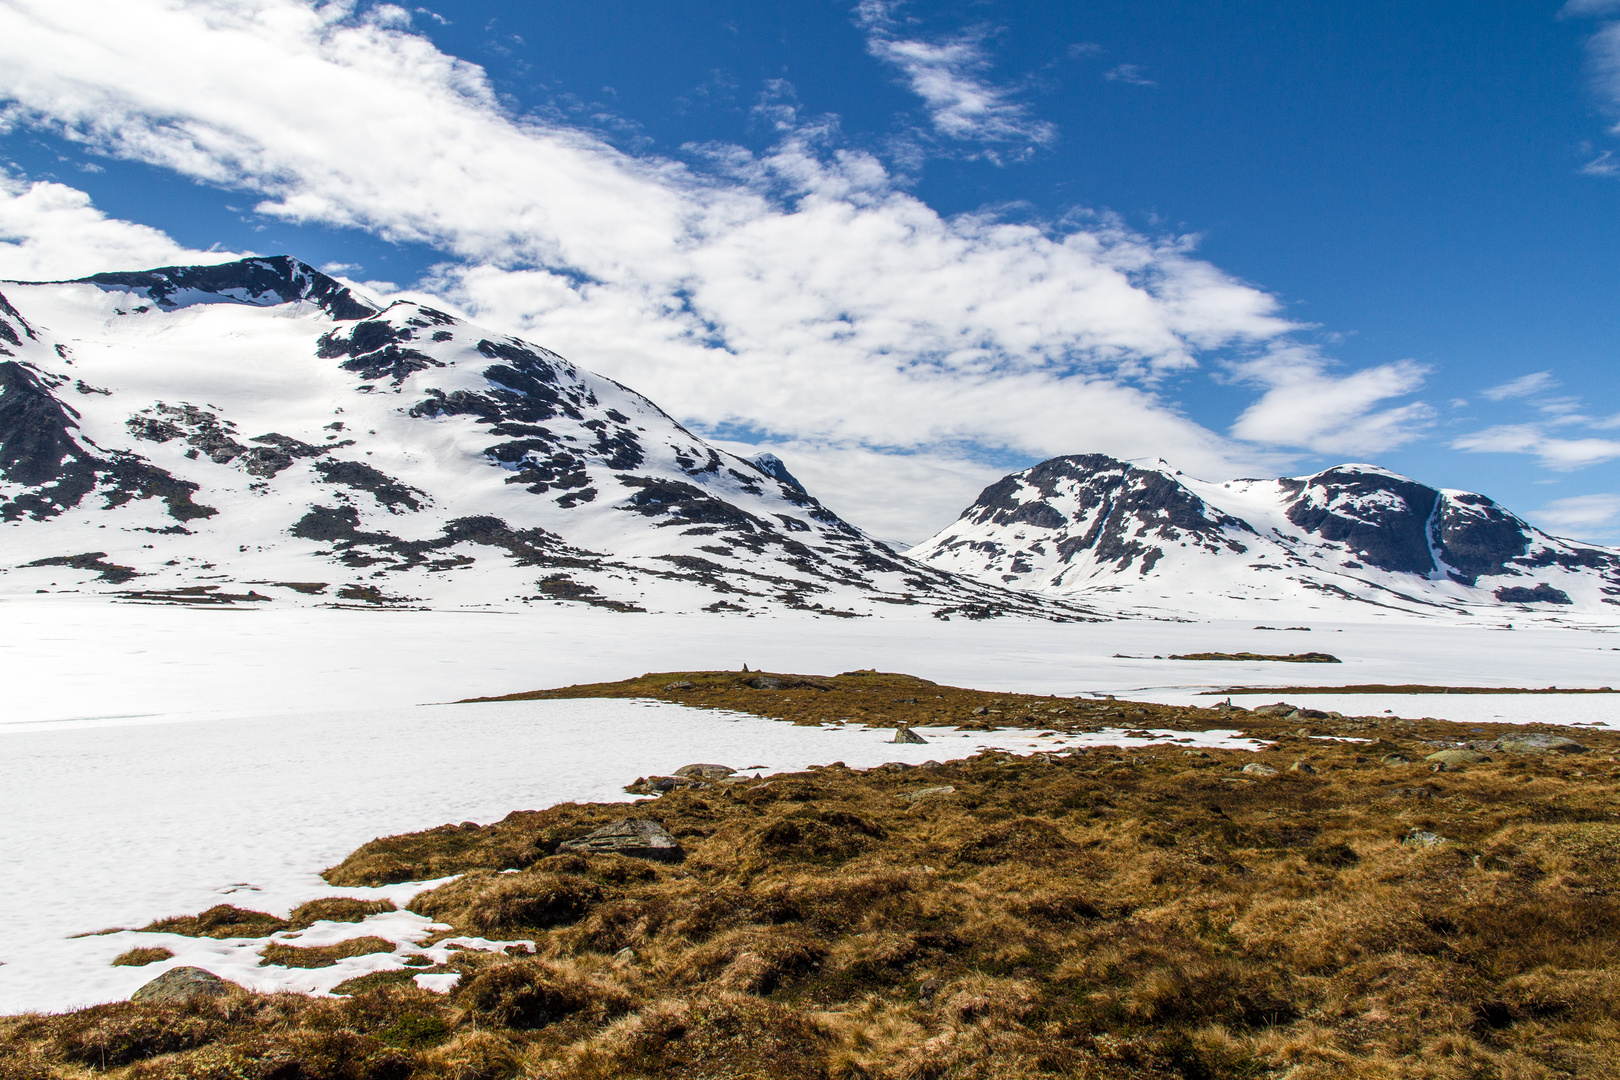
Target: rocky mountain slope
{"x":258,"y":432}
{"x":1355,"y":539}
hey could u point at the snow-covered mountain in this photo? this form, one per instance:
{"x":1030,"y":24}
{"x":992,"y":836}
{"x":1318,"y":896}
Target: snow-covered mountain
{"x":258,"y":432}
{"x":1145,"y":538}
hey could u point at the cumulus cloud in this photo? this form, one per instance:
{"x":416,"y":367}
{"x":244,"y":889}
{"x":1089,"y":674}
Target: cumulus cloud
{"x":1309,"y":406}
{"x":951,"y":75}
{"x":1551,"y":451}
{"x":799,"y":294}
{"x":1523,"y":386}
{"x":51,"y":231}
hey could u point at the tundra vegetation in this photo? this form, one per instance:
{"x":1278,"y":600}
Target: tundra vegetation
{"x":1348,"y":909}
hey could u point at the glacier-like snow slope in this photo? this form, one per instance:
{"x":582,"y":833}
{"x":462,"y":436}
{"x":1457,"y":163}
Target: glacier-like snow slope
{"x":1354,"y":541}
{"x":257,"y":433}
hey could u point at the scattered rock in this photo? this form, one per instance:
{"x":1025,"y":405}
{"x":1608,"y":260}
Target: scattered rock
{"x":1423,"y":838}
{"x":705,"y":772}
{"x":1394,"y":759}
{"x":906,"y":735}
{"x":1536,"y":743}
{"x":928,"y":793}
{"x":681,"y":684}
{"x":982,"y":710}
{"x":1281,"y":708}
{"x":1303,"y":767}
{"x":179,"y":985}
{"x":1303,"y":733}
{"x":1458,"y":758}
{"x":1195,"y":753}
{"x":765,"y":682}
{"x":1257,"y":769}
{"x":639,"y":838}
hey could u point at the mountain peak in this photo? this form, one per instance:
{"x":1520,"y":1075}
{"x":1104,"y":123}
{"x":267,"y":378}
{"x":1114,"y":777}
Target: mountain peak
{"x":260,"y":281}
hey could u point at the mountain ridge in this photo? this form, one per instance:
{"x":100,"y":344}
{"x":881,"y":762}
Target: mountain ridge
{"x":1083,"y":526}
{"x":257,"y":432}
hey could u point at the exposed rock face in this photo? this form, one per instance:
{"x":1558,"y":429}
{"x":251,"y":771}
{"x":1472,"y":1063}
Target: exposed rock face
{"x":638,"y":838}
{"x":1110,"y":530}
{"x":401,"y":456}
{"x":179,"y":985}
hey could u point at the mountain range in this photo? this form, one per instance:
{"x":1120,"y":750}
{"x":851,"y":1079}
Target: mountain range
{"x":1143,"y":538}
{"x":260,"y":433}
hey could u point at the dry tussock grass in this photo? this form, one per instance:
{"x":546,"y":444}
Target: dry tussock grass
{"x":1101,"y":914}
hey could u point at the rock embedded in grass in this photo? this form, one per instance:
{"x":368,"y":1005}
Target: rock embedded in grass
{"x":1537,"y":743}
{"x":1459,"y":758}
{"x":179,"y":985}
{"x":639,"y":838}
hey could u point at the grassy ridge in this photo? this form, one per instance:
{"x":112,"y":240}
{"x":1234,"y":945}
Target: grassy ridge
{"x":1153,"y":912}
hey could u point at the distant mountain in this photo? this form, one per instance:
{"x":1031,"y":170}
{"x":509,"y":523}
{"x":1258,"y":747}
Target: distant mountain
{"x":258,"y":432}
{"x":1147,"y":539}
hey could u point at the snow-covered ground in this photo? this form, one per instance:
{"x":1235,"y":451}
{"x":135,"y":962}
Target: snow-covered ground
{"x":159,"y":758}
{"x":69,"y":660}
{"x":117,"y":825}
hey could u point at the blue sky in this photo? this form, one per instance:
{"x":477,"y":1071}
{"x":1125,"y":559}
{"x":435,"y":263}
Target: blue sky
{"x":910,"y":245}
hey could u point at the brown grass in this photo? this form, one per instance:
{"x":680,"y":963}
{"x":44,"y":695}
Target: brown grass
{"x":141,"y":957}
{"x":1133,"y":913}
{"x":287,"y":954}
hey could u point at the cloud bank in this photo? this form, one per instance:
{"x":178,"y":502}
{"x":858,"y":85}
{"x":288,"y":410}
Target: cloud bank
{"x":796,"y":298}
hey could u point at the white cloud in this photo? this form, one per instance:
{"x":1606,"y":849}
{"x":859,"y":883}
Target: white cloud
{"x":950,"y":75}
{"x":1308,"y":406}
{"x":1590,"y":7}
{"x":1523,"y":386}
{"x":51,"y":231}
{"x":1554,"y":453}
{"x":800,"y":294}
{"x":1589,"y":514}
{"x":1128,"y":73}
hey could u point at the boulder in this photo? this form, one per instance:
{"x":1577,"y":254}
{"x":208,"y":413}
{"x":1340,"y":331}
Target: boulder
{"x":1423,"y":838}
{"x":765,"y":682}
{"x":906,"y":735}
{"x":928,"y":793}
{"x":1537,"y":743}
{"x":639,"y":838}
{"x":179,"y":985}
{"x":1458,"y":758}
{"x":1281,"y":708}
{"x":705,"y":772}
{"x":680,"y":684}
{"x":1395,"y":759}
{"x":1303,"y":767}
{"x":1257,"y":769}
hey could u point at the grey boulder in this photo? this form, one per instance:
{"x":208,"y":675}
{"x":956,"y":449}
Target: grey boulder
{"x":179,"y":985}
{"x":639,"y":838}
{"x":906,"y":735}
{"x":705,"y":772}
{"x":1537,"y":743}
